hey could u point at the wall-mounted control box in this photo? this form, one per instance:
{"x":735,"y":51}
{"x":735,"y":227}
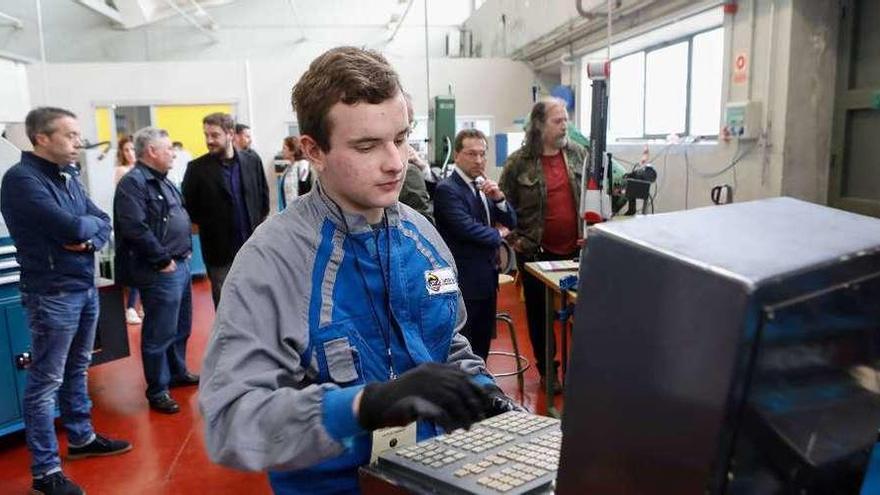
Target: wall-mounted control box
{"x":743,"y":119}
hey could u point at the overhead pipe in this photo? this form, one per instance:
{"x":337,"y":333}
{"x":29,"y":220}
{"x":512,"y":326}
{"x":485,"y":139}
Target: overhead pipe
{"x":44,"y":66}
{"x":579,"y":5}
{"x":15,"y":21}
{"x":548,"y":54}
{"x":565,"y":35}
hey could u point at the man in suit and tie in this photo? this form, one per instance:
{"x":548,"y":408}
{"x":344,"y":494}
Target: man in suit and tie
{"x":467,"y":207}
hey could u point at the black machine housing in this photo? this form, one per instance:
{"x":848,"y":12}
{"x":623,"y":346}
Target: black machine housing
{"x":725,"y":350}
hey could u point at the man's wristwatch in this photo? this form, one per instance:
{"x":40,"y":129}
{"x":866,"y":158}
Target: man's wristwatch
{"x":90,"y":246}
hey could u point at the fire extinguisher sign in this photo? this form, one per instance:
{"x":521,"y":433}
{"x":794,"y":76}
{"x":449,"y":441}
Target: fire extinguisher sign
{"x":740,"y":69}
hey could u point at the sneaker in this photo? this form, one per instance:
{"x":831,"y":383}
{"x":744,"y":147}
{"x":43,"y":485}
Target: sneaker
{"x":100,"y":446}
{"x":55,"y":484}
{"x":184,"y":380}
{"x":164,"y":404}
{"x":131,"y":317}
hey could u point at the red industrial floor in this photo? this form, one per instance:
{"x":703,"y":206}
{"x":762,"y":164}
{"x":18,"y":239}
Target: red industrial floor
{"x":169,"y":454}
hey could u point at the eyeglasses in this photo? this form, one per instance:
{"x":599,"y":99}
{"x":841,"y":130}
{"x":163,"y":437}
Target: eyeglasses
{"x":474,"y":154}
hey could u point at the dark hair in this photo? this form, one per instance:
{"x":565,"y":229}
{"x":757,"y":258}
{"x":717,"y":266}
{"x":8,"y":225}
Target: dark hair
{"x":468,"y":134}
{"x":40,"y":120}
{"x":345,"y":74}
{"x":224,"y":120}
{"x":241,"y":127}
{"x":120,"y":156}
{"x":534,"y":140}
{"x":292,"y":143}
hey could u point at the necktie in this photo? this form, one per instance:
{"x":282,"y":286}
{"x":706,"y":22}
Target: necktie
{"x":481,"y":205}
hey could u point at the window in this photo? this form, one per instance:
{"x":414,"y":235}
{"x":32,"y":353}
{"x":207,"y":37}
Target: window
{"x":627,"y":101}
{"x":662,"y":83}
{"x":706,"y":78}
{"x":666,"y":75}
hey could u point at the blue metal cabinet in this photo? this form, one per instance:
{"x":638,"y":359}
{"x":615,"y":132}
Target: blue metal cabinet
{"x":111,"y":337}
{"x":196,"y":263}
{"x":14,"y":343}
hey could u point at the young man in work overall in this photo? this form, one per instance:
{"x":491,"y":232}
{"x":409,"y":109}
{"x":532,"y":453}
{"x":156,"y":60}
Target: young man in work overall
{"x":340,"y":315}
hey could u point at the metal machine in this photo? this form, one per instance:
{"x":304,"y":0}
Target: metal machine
{"x":441,"y":132}
{"x":728,"y":350}
{"x":606,"y":186}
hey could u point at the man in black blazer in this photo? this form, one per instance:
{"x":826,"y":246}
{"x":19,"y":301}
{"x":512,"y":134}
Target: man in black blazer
{"x":467,"y":206}
{"x":226,"y":195}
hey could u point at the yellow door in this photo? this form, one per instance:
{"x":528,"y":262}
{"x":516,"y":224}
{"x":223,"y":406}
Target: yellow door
{"x":103,"y":125}
{"x":184,"y":124}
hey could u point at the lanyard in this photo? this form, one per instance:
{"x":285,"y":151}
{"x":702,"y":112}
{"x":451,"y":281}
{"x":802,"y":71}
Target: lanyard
{"x":385,"y":333}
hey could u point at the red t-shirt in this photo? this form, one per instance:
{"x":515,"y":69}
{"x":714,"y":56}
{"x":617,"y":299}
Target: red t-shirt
{"x":560,"y":213}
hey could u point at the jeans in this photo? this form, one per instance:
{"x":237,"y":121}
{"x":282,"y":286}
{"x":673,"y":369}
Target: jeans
{"x":217,"y":275}
{"x":62,"y":326}
{"x":167,"y":303}
{"x":132,"y":298}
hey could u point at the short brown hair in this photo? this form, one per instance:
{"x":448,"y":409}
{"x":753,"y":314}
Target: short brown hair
{"x":292,"y":143}
{"x":224,"y":120}
{"x":468,"y":134}
{"x":344,"y":74}
{"x":40,"y":121}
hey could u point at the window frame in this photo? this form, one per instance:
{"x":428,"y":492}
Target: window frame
{"x":689,"y":38}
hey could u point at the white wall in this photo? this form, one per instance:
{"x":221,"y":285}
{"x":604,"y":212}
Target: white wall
{"x":792,"y":61}
{"x":501,"y":27}
{"x":758,"y":175}
{"x":497,"y":87}
{"x":791,"y":49}
{"x":15,"y":100}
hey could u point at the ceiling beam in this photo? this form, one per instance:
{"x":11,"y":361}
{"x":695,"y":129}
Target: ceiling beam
{"x":103,"y":9}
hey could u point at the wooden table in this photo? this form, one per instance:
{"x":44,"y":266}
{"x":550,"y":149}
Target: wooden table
{"x":551,"y":279}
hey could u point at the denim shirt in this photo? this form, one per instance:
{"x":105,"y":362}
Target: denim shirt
{"x":45,"y":207}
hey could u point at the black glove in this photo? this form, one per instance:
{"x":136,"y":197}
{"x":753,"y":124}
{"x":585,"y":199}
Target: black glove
{"x":499,"y":403}
{"x":430,"y":391}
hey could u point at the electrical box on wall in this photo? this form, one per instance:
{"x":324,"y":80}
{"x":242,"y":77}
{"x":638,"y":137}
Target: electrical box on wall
{"x":742,"y":119}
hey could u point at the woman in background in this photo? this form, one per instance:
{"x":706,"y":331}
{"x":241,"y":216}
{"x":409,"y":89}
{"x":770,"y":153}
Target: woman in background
{"x":125,"y":160}
{"x":296,"y":180}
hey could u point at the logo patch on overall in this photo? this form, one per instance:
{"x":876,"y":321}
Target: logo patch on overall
{"x":441,"y":281}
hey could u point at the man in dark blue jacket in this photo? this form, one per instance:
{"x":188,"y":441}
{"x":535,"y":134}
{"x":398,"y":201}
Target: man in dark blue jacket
{"x":467,"y":207}
{"x":56,"y":230}
{"x":153,"y":247}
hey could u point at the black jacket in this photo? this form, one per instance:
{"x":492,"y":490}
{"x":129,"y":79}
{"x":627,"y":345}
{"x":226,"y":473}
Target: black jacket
{"x":209,"y":201}
{"x":150,"y":224}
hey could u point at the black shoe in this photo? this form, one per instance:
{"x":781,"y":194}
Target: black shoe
{"x":55,"y":484}
{"x":184,"y":380}
{"x":164,"y":404}
{"x":555,"y":387}
{"x":100,"y":446}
